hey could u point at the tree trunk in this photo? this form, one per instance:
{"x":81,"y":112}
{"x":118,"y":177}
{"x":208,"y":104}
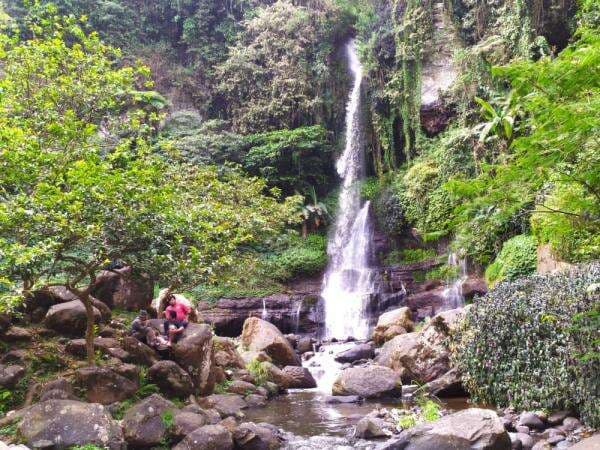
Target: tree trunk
{"x":89,"y":329}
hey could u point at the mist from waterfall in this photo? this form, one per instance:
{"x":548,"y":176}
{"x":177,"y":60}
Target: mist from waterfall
{"x":349,"y":279}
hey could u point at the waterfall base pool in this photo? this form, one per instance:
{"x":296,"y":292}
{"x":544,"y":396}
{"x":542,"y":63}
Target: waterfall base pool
{"x":307,"y":415}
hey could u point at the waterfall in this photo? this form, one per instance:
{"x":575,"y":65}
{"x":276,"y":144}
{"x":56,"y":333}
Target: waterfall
{"x":264,"y":315}
{"x":349,"y":279}
{"x":453,"y":294}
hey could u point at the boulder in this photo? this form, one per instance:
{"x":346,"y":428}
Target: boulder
{"x":143,"y":424}
{"x":304,"y":345}
{"x":251,"y":436}
{"x":69,"y":318}
{"x":140,"y":352}
{"x":194,"y":353}
{"x":392,"y":323}
{"x":424,"y":355}
{"x":256,"y":400}
{"x":186,"y":422}
{"x":359,"y":351}
{"x":10,"y":375}
{"x":448,"y":385}
{"x":261,"y":336}
{"x":341,"y":399}
{"x":530,"y":420}
{"x":129,"y":371}
{"x":367,"y":382}
{"x":226,"y":355}
{"x":299,"y":377}
{"x":276,"y":375}
{"x":241,"y":387}
{"x":371,"y":427}
{"x":225,"y":404}
{"x":121,"y":288}
{"x":171,"y":379}
{"x":208,"y":437}
{"x":18,"y":356}
{"x":16,"y":334}
{"x":469,"y":429}
{"x":66,"y":423}
{"x":103,"y":385}
{"x":557,"y":417}
{"x":76,"y":347}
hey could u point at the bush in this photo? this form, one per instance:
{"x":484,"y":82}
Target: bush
{"x":517,"y":258}
{"x":520,"y":345}
{"x":409,"y":255}
{"x":303,"y":257}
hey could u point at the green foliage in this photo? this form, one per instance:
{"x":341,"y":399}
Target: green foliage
{"x":517,"y":258}
{"x":430,"y":410}
{"x":258,"y":371}
{"x":553,"y":167}
{"x":168,"y":419}
{"x":409,"y":256}
{"x":9,"y":430}
{"x":222,"y":387}
{"x":517,"y":345}
{"x":86,"y":447}
{"x":443,"y":272}
{"x":407,"y":421}
{"x":302,"y":257}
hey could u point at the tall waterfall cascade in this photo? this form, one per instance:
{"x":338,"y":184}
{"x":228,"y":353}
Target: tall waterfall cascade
{"x":453,"y":294}
{"x":349,"y":280}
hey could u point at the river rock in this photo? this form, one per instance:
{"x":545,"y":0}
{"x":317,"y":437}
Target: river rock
{"x":392,"y":323}
{"x":241,"y":387}
{"x":304,"y":345}
{"x":10,"y":375}
{"x":16,"y":334}
{"x":121,"y":288}
{"x":143,"y":424}
{"x":194,"y":353}
{"x":171,"y":379}
{"x":557,"y":417}
{"x":261,"y":336}
{"x":424,"y":355}
{"x":472,"y":428}
{"x":103,"y":385}
{"x":140,"y":352}
{"x":337,"y":399}
{"x":226,"y":355}
{"x":69,"y":318}
{"x":208,"y":437}
{"x":67,"y":423}
{"x":530,"y":420}
{"x":448,"y":385}
{"x":371,"y":427}
{"x":570,"y":424}
{"x":526,"y":440}
{"x":251,"y":436}
{"x":255,"y":400}
{"x":225,"y":404}
{"x":359,"y":351}
{"x":367,"y":382}
{"x":186,"y":422}
{"x":299,"y":377}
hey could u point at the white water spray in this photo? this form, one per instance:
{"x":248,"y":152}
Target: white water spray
{"x":349,"y":280}
{"x":264,"y":314}
{"x":453,"y":294}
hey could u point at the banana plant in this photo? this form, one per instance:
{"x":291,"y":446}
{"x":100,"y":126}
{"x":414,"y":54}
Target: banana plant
{"x":313,"y":214}
{"x":500,"y":117}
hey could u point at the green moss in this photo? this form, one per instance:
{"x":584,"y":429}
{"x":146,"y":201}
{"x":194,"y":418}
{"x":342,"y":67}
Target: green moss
{"x":409,"y":256}
{"x":517,"y":258}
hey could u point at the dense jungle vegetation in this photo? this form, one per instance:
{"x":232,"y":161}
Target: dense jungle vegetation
{"x":196,"y":140}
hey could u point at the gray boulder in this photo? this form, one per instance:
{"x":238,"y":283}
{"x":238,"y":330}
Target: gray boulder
{"x":10,"y":375}
{"x":171,"y":379}
{"x":225,"y":404}
{"x":69,"y":318}
{"x":194,"y":353}
{"x":103,"y":385}
{"x":359,"y":351}
{"x":367,"y":382}
{"x":371,"y":427}
{"x":208,"y":437}
{"x":261,"y":336}
{"x":299,"y":377}
{"x":186,"y":422}
{"x":66,"y":423}
{"x":140,"y":352}
{"x":143,"y":423}
{"x":252,"y":436}
{"x":469,"y":429}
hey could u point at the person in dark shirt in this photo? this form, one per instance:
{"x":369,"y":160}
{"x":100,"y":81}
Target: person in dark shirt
{"x":142,"y":331}
{"x":174,"y":327}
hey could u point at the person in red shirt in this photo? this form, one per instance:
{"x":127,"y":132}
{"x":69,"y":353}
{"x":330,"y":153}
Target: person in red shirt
{"x":182,"y":311}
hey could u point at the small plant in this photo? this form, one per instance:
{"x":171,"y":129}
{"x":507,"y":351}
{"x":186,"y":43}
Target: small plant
{"x":221,"y":388}
{"x":168,"y":419}
{"x":430,"y":409}
{"x":87,"y":447}
{"x":9,"y":430}
{"x":407,"y":421}
{"x":409,"y":256}
{"x":258,"y":371}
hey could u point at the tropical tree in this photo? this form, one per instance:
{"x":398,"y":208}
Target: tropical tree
{"x":80,"y":186}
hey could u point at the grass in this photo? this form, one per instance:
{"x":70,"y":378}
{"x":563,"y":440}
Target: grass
{"x":221,"y":388}
{"x":409,"y":256}
{"x":258,"y":371}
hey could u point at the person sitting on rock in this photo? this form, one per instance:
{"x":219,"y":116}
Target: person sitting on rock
{"x":174,"y":327}
{"x":182,"y":311}
{"x":141,"y":329}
